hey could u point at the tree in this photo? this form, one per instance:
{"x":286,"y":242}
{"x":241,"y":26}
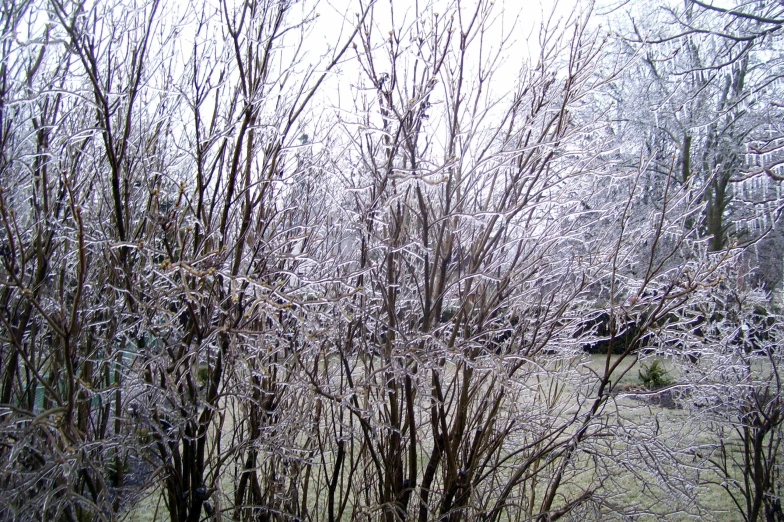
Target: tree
{"x":750,"y":418}
{"x":483,"y":230}
{"x":130,"y":231}
{"x":63,"y":439}
{"x":709,"y":85}
{"x":714,"y":100}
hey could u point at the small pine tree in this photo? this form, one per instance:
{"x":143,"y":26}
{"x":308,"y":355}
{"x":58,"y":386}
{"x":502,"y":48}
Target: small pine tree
{"x":654,"y":375}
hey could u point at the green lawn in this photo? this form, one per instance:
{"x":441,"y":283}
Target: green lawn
{"x":629,"y":464}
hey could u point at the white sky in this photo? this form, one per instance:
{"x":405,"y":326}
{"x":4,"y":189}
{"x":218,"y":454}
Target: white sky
{"x":519,"y":19}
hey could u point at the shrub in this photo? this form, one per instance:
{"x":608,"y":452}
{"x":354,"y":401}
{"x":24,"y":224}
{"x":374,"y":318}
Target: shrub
{"x":654,"y":375}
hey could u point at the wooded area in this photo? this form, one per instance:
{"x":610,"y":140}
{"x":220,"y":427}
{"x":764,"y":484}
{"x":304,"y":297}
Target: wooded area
{"x":280,"y":260}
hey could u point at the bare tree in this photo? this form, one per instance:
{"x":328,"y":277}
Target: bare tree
{"x":144,"y":209}
{"x":486,"y":234}
{"x":61,"y":389}
{"x":709,"y":92}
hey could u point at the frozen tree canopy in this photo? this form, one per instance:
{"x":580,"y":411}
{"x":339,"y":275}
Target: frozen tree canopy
{"x":285,"y":260}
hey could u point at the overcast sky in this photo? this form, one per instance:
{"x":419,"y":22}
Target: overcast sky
{"x":519,"y":20}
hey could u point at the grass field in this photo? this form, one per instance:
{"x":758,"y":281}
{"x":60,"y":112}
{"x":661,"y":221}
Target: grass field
{"x":634,"y":473}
